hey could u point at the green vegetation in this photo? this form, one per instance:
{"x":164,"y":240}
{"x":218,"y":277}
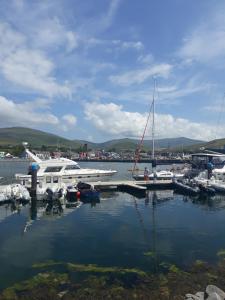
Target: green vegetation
{"x":221,"y":253}
{"x":150,"y":254}
{"x":11,"y":137}
{"x":91,"y":268}
{"x":77,"y":281}
{"x":16,"y":135}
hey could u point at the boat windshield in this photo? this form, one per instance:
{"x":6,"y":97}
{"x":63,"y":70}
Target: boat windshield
{"x":72,"y":167}
{"x":53,"y":169}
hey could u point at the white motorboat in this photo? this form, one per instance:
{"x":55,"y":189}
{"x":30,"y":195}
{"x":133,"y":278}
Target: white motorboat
{"x":160,"y":175}
{"x":68,"y":170}
{"x":218,"y":185}
{"x":216,"y":181}
{"x":51,"y":183}
{"x":13,"y":192}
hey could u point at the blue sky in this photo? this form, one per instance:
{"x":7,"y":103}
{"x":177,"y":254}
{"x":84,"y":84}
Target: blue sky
{"x":85,"y":69}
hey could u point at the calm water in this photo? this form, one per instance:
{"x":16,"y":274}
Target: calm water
{"x":115,"y":232}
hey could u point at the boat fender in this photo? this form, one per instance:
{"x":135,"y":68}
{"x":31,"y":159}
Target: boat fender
{"x":78,"y":194}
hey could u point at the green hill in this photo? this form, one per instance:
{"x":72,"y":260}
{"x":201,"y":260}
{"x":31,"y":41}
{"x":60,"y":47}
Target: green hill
{"x":37,"y":138}
{"x":169,"y":143}
{"x":218,"y":144}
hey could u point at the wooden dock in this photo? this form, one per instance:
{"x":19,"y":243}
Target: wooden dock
{"x":132,"y":185}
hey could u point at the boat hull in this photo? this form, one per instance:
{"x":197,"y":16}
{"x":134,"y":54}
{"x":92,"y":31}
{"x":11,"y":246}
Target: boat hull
{"x":67,"y":179}
{"x":158,"y":177}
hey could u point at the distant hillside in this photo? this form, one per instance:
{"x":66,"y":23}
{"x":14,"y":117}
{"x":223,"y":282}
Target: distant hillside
{"x":216,"y":145}
{"x":122,"y":144}
{"x":37,"y":138}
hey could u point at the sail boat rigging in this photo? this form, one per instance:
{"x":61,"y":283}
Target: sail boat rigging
{"x":137,"y":154}
{"x":162,"y":174}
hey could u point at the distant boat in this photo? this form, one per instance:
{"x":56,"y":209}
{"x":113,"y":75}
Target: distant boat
{"x":160,"y":175}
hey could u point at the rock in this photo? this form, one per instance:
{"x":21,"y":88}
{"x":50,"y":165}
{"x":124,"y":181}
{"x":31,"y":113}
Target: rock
{"x":214,"y":296}
{"x":61,"y":294}
{"x":201,"y":295}
{"x":197,"y":296}
{"x":214,"y":289}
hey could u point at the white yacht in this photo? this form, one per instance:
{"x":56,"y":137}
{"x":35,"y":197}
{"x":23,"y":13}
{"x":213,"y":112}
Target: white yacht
{"x":217,"y":177}
{"x":68,"y":171}
{"x":160,"y":175}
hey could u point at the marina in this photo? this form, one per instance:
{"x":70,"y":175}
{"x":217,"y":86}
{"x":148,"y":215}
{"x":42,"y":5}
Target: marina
{"x":121,"y":223}
{"x":112,"y":150}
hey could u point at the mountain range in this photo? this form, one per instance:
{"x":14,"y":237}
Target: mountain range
{"x":36,"y":138}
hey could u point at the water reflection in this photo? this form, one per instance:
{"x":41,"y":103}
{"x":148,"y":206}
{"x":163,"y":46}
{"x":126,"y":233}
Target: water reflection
{"x":50,"y":208}
{"x":158,"y":197}
{"x":159,"y":229}
{"x":216,"y":202}
{"x":10,"y":208}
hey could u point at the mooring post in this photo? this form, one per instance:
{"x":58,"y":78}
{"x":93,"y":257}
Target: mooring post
{"x":33,"y":208}
{"x":34,"y":168}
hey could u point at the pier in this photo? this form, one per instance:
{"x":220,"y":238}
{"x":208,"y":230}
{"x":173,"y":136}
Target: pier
{"x":132,"y":185}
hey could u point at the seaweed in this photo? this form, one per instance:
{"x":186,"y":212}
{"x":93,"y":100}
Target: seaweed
{"x":99,"y":282}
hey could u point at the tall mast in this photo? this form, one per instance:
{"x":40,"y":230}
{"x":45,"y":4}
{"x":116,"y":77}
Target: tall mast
{"x":153,"y":121}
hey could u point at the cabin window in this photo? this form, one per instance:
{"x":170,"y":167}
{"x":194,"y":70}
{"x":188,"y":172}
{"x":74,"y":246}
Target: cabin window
{"x":55,"y":179}
{"x":72,"y":167}
{"x":48,"y":179}
{"x":53,"y":169}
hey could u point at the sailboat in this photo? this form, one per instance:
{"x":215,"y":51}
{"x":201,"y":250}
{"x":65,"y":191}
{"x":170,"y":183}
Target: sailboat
{"x":157,"y":175}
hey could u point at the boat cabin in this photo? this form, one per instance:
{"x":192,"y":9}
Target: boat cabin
{"x":200,"y":161}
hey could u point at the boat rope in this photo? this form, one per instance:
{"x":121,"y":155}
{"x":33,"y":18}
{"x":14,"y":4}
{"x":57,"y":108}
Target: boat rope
{"x":140,"y":144}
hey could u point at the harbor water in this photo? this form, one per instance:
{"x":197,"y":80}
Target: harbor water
{"x":148,"y":233}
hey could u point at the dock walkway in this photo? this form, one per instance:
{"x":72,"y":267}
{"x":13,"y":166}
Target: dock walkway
{"x":140,"y":186}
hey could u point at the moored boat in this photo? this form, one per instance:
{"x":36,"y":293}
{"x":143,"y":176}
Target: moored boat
{"x":160,"y":175}
{"x":69,"y":171}
{"x":13,"y":192}
{"x":188,"y":188}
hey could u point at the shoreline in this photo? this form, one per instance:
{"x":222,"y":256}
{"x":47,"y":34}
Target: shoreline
{"x":158,"y":162}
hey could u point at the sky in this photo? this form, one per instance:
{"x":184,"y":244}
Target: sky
{"x":86,"y":69}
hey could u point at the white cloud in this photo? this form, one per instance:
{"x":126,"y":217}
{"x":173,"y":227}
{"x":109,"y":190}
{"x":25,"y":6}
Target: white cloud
{"x":217,"y":106}
{"x":146,"y":59}
{"x":50,"y":33}
{"x":132,"y":45}
{"x":106,"y":19}
{"x":139,"y":76}
{"x":26,"y":67}
{"x":118,"y":45}
{"x":70,"y":119}
{"x":206,"y":43}
{"x":113,"y":120}
{"x":72,"y":40}
{"x":101,"y":22}
{"x":19,"y":4}
{"x":24,"y":114}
